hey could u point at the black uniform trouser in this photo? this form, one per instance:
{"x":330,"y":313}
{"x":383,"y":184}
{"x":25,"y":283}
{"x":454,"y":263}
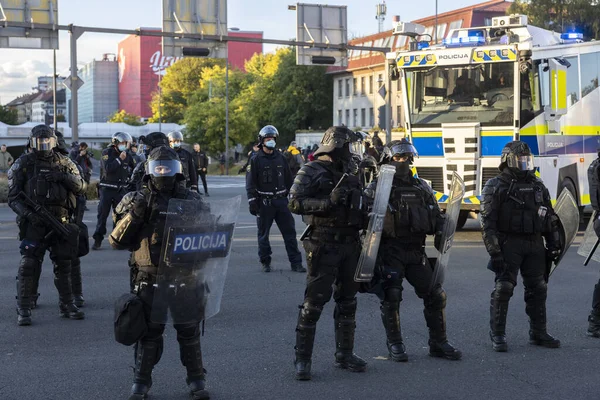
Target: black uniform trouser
{"x":408,"y":261}
{"x":109,"y":198}
{"x":202,"y":175}
{"x":525,"y":253}
{"x":33,"y":248}
{"x":331,"y":267}
{"x":148,"y":349}
{"x":277,"y":210}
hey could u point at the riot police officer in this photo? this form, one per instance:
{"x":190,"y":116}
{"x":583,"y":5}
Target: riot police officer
{"x":330,"y":201}
{"x":594,"y":184}
{"x":268,"y":181}
{"x":412,"y":214}
{"x":150,"y":142}
{"x":187,"y":161}
{"x":516,"y":216}
{"x":141,"y":220}
{"x":48,"y":179}
{"x":115,"y":170}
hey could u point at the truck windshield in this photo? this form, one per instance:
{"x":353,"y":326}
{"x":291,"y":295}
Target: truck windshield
{"x":469,"y":93}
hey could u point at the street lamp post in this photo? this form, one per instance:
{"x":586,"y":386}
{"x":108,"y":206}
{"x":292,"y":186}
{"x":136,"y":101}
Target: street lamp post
{"x":227,"y":105}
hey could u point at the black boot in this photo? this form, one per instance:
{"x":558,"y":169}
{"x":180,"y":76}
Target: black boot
{"x":435,"y":317}
{"x":535,"y":307}
{"x":36,"y":282}
{"x":298,"y":268}
{"x":97,"y":243}
{"x":62,"y":281}
{"x":76,"y":284}
{"x":345,"y":324}
{"x":305,"y":337}
{"x":594,"y":318}
{"x":25,"y":286}
{"x":147,"y":355}
{"x":191,"y":357}
{"x":391,"y":322}
{"x":498,"y":313}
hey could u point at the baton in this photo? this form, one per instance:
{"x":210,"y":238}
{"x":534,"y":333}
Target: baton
{"x":589,"y":257}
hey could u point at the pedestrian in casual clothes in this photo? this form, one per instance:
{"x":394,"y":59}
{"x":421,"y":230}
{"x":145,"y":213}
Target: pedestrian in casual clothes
{"x":6,"y":160}
{"x":201,"y":162}
{"x":222,"y":163}
{"x":83,"y":159}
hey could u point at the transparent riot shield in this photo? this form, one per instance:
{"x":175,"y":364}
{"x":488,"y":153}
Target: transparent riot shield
{"x":568,"y":213}
{"x":589,"y":245}
{"x":368,"y":256}
{"x":194,"y":259}
{"x":457,"y":192}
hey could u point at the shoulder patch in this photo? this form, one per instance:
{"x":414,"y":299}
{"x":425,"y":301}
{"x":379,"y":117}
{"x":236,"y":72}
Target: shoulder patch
{"x":105,"y":157}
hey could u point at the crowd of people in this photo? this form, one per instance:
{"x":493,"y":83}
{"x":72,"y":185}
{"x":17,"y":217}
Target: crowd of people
{"x":334,"y":194}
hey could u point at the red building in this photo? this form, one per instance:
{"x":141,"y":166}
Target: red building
{"x":141,"y":62}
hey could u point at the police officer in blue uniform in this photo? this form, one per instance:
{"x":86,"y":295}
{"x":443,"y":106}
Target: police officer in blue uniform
{"x":594,"y":184}
{"x":116,"y":168}
{"x":516,"y":217}
{"x":187,"y":161}
{"x":268,"y":181}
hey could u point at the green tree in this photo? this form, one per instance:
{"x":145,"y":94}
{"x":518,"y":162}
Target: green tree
{"x":177,"y":87}
{"x":561,"y":15}
{"x":8,"y":116}
{"x":124,"y":117}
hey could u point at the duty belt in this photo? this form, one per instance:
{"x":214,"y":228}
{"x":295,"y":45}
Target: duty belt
{"x":342,"y":235}
{"x":272,"y":195}
{"x":110,"y":185}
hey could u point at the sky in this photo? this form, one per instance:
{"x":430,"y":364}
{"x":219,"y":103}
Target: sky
{"x":19,"y":69}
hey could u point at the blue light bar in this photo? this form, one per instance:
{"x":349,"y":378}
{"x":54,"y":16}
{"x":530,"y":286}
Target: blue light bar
{"x":572,"y":36}
{"x":464,"y":41}
{"x":422,"y":45}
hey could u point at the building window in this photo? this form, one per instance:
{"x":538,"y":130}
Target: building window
{"x":362,"y":86}
{"x":371,"y":117}
{"x":441,"y":31}
{"x":398,"y":115}
{"x":340,"y":121}
{"x":340,"y":88}
{"x":487,"y":21}
{"x":363,"y":117}
{"x":355,"y":115}
{"x":347,"y":117}
{"x":371,"y":84}
{"x":456,"y":24}
{"x":348,"y":87}
{"x":354,"y":87}
{"x":380,"y":80}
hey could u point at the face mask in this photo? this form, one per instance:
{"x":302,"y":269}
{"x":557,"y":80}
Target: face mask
{"x":122,"y":147}
{"x":271,"y":144}
{"x":402,"y":168}
{"x":176,"y":145}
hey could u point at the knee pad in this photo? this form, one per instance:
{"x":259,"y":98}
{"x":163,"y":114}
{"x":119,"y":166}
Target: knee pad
{"x":310,"y":313}
{"x":504,"y":290}
{"x":28,"y":266}
{"x":345,"y":308}
{"x":535,"y":289}
{"x":393,"y":294}
{"x":436,"y":299}
{"x":32,"y":248}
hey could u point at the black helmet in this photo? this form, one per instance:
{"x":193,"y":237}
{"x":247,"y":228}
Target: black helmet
{"x":121,"y":137}
{"x":154,"y":140}
{"x":164,"y":168}
{"x":397,"y":148}
{"x":61,"y":145}
{"x":516,"y":155}
{"x":335,"y":138}
{"x":42,"y":140}
{"x":268,"y":131}
{"x":175,"y":139}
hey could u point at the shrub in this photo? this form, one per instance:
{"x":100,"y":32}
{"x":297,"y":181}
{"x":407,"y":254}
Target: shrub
{"x":92,"y":191}
{"x":3,"y":189}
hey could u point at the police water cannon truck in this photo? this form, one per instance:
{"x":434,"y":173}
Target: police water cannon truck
{"x":485,"y":86}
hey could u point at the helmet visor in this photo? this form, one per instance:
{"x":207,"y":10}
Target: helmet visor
{"x":43,"y":143}
{"x":403,"y":148}
{"x":357,"y":149}
{"x":523,"y":163}
{"x":163,"y":168}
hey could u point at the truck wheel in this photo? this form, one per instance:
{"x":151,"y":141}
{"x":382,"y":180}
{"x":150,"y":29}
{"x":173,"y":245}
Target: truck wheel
{"x":462,"y":219}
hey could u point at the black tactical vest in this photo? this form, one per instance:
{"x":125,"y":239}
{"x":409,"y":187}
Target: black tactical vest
{"x":521,"y":208}
{"x":44,"y":192}
{"x":593,"y":183}
{"x":409,"y":214}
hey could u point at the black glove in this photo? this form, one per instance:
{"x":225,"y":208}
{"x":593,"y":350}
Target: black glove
{"x":497,"y":263}
{"x":139,"y":207}
{"x":253,"y":206}
{"x":553,"y":253}
{"x":55,"y":176}
{"x":597,"y":226}
{"x":35,"y":219}
{"x":339,"y":196}
{"x":437,"y":241}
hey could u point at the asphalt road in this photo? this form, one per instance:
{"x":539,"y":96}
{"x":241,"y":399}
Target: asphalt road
{"x":248,"y":347}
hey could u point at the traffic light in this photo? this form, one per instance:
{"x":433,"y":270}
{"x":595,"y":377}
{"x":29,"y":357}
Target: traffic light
{"x":324,"y":60}
{"x":195,"y":52}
